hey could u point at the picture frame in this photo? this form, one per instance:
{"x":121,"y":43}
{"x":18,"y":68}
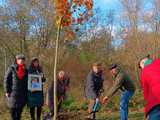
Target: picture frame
{"x":34,"y":82}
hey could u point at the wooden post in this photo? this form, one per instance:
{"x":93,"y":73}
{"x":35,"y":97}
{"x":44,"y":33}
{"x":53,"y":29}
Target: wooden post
{"x":55,"y":67}
{"x":5,"y":61}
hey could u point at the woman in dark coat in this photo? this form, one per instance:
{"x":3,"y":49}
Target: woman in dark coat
{"x":35,"y":98}
{"x":15,"y":85}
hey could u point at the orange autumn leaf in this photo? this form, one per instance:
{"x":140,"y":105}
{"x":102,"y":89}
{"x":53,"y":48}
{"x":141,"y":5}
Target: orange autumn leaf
{"x":65,"y":8}
{"x":74,"y":13}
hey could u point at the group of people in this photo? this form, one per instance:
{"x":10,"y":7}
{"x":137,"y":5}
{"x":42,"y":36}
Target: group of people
{"x":94,"y":88}
{"x":16,"y":80}
{"x":18,"y":95}
{"x":150,"y":84}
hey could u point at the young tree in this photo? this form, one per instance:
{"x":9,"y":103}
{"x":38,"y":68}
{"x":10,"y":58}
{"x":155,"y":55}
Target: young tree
{"x":69,"y":13}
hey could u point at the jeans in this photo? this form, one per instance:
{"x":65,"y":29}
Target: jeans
{"x":124,"y":101}
{"x":154,"y":114}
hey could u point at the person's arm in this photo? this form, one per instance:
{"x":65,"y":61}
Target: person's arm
{"x":117,"y":84}
{"x":102,"y":87}
{"x":43,"y":76}
{"x":67,"y":83}
{"x":43,"y":79}
{"x":8,"y":82}
{"x":144,"y":85}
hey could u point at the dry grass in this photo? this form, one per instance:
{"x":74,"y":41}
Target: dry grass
{"x":78,"y":114}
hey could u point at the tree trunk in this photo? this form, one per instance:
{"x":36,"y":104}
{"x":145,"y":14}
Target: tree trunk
{"x":5,"y":61}
{"x":55,"y":68}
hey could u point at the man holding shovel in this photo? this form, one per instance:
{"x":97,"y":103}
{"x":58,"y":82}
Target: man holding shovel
{"x":93,"y":89}
{"x":125,"y":84}
{"x":63,"y":82}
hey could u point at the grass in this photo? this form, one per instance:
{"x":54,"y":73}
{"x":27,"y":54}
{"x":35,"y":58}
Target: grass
{"x":75,"y":109}
{"x":81,"y":115}
{"x":115,"y":116}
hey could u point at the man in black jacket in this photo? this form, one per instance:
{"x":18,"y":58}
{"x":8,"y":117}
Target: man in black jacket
{"x":15,"y":85}
{"x":93,"y":87}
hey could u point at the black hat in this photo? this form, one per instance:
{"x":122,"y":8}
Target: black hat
{"x":112,"y":66}
{"x":20,"y":56}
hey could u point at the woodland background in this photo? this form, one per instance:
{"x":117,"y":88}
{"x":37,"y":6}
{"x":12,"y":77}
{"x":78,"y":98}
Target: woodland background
{"x":30,"y":27}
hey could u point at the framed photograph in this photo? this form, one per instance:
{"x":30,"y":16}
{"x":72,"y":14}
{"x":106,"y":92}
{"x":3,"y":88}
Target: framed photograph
{"x":34,"y":82}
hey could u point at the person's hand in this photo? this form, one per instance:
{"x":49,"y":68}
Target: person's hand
{"x":7,"y":95}
{"x":67,"y":88}
{"x":33,"y":91}
{"x":102,"y":90}
{"x":105,"y":99}
{"x":90,"y":110}
{"x":97,"y":99}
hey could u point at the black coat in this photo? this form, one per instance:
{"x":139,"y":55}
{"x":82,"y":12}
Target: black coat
{"x":93,"y":85}
{"x":15,"y":87}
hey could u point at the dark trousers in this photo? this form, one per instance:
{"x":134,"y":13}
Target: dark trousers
{"x":16,"y":113}
{"x":32,"y":113}
{"x":58,"y":108}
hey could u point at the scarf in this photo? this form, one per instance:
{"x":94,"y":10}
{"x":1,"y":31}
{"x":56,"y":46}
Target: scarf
{"x":21,"y":72}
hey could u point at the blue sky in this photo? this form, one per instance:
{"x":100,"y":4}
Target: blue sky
{"x":2,"y":2}
{"x":106,"y":5}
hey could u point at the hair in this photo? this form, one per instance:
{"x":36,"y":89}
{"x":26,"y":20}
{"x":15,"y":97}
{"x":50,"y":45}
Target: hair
{"x":32,"y":64}
{"x":96,"y":64}
{"x":66,"y":76}
{"x":113,"y":66}
{"x":146,"y":57}
{"x":139,"y":66}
